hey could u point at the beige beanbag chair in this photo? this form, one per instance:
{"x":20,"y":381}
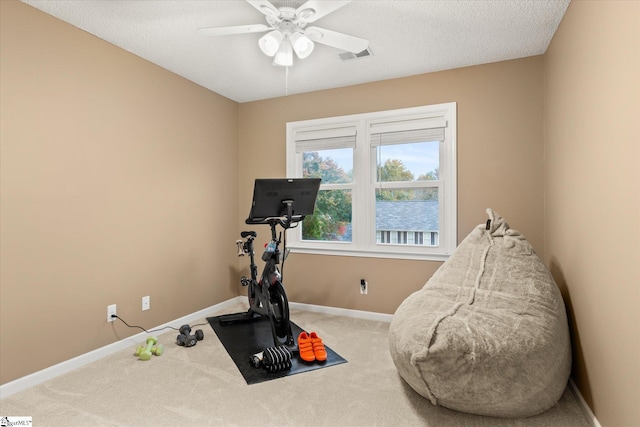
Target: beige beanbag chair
{"x":488,"y":333}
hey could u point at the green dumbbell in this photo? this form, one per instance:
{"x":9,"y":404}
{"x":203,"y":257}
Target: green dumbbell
{"x":145,"y":352}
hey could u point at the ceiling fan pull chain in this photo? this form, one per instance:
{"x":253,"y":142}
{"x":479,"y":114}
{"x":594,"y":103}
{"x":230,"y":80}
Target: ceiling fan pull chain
{"x":286,"y":81}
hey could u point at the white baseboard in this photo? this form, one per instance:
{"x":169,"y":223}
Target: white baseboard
{"x":358,"y":314}
{"x":38,"y":377}
{"x":585,"y":407}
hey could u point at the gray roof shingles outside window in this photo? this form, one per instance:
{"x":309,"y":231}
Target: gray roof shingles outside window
{"x":407,"y":215}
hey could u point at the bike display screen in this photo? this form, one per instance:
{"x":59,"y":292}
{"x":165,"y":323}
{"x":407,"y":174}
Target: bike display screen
{"x":271,"y":197}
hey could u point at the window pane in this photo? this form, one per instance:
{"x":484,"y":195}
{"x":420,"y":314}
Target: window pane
{"x":331,"y":220}
{"x":332,"y":166}
{"x":407,"y":217}
{"x":408,"y":162}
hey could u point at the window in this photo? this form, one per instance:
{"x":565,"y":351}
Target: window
{"x":402,"y":237}
{"x":418,"y":238}
{"x":388,"y":183}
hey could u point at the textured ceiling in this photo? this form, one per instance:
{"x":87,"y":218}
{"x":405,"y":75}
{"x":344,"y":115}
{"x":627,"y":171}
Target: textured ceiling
{"x":406,"y":38}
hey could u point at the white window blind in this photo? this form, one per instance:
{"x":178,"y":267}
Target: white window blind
{"x":325,"y":139}
{"x":407,"y":131}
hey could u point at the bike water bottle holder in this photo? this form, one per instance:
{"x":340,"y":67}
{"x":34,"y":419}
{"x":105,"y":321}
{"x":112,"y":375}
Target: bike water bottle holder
{"x":270,"y":251}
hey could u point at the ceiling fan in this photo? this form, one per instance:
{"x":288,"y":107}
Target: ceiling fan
{"x":288,"y":31}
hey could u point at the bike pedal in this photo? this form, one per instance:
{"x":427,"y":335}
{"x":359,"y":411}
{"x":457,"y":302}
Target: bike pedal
{"x":245,"y":281}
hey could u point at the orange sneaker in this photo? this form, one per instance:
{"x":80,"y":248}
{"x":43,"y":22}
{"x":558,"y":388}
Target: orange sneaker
{"x":319,"y":351}
{"x":305,"y":347}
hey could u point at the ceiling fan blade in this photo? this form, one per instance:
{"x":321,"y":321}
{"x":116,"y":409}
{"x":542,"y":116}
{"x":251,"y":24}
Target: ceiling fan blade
{"x":336,"y":39}
{"x":265,"y":7}
{"x":313,"y":10}
{"x":238,"y":29}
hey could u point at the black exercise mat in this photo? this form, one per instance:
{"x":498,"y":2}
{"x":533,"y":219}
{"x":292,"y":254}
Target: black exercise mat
{"x":244,"y":339}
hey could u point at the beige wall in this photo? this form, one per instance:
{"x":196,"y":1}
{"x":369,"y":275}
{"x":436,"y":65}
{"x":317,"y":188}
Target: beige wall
{"x":500,"y":152}
{"x":117,"y":181}
{"x":592,"y":197}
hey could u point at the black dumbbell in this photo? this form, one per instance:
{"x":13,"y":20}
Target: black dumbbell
{"x":186,"y":339}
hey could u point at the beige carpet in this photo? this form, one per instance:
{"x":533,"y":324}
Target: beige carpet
{"x":201,"y":386}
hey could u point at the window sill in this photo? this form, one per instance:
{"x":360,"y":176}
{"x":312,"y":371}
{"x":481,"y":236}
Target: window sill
{"x":421,"y":256}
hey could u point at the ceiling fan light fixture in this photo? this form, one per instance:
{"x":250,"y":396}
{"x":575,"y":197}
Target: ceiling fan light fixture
{"x":284,"y":55}
{"x":271,"y":42}
{"x":301,"y":44}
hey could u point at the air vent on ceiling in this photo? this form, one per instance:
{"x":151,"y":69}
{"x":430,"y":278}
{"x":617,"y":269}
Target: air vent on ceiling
{"x":346,"y":56}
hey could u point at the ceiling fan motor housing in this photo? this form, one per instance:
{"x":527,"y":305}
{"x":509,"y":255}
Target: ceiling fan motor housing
{"x":288,"y":22}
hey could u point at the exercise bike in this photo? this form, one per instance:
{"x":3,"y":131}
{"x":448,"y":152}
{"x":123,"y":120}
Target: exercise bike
{"x":276,"y":202}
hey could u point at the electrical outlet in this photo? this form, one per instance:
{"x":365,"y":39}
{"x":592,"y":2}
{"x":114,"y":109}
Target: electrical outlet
{"x":146,"y":303}
{"x":111,"y":309}
{"x":364,"y":286}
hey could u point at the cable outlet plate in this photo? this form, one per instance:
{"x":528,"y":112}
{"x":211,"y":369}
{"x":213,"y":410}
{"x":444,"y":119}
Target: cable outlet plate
{"x":364,"y":287}
{"x":111,"y":309}
{"x":146,"y":303}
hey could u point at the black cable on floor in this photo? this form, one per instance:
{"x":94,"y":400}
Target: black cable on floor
{"x":152,"y":330}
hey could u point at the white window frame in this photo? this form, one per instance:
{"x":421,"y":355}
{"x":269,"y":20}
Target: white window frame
{"x":364,"y":183}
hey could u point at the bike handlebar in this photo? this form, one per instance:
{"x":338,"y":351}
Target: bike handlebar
{"x":284,"y":222}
